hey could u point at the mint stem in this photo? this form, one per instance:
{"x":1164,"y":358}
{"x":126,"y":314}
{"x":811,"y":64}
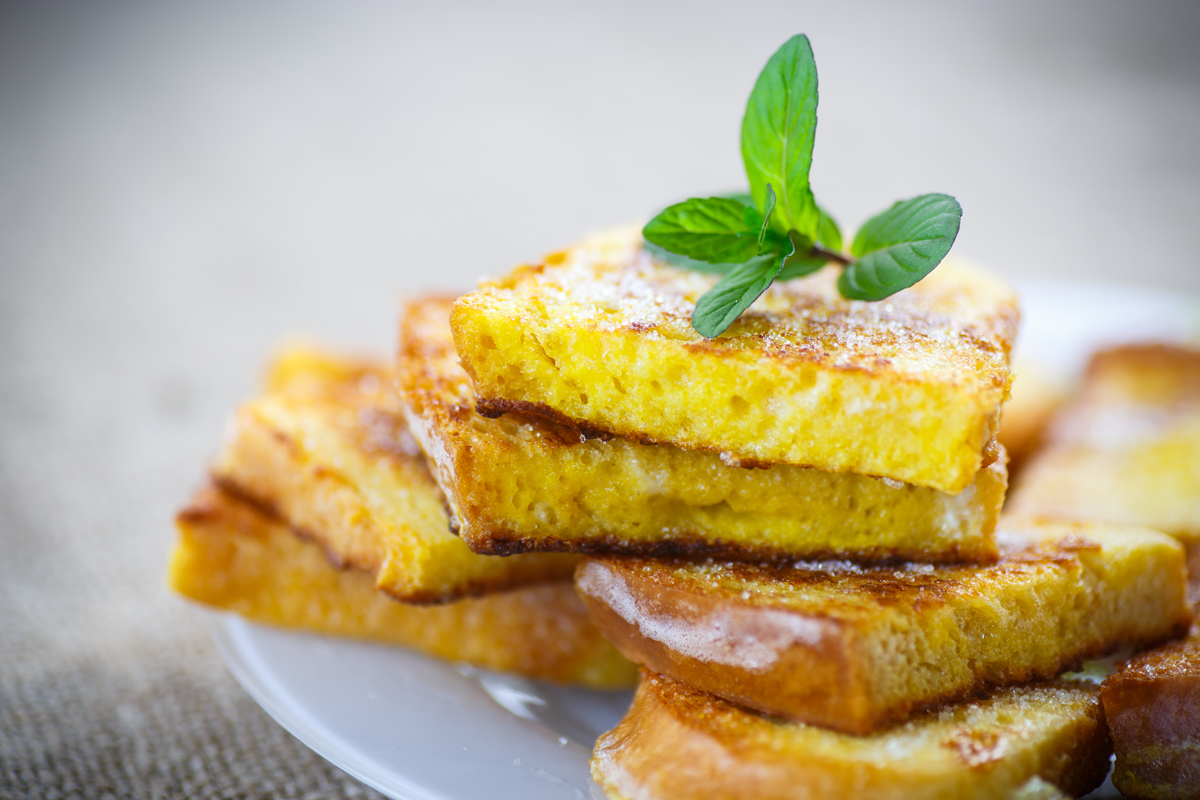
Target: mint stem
{"x":832,"y":255}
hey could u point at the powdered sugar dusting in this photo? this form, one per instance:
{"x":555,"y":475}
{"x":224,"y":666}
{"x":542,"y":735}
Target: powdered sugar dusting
{"x":956,"y":322}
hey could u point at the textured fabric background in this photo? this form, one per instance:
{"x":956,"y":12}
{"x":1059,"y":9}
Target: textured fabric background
{"x":181,"y":185}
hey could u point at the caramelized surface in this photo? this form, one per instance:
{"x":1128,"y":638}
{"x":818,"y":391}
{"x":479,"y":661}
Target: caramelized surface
{"x":520,"y":484}
{"x":600,"y":335}
{"x":853,"y":648}
{"x":1127,"y":449}
{"x":231,"y":556}
{"x":678,"y":742}
{"x":327,"y":449}
{"x":1153,"y":707}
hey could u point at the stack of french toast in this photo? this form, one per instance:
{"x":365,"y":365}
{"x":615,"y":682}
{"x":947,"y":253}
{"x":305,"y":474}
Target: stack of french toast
{"x":792,"y":532}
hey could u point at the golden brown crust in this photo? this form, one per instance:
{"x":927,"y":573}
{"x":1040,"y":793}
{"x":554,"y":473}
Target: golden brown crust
{"x":329,"y":452}
{"x":1153,"y":707}
{"x":677,"y":742}
{"x":855,"y":648}
{"x":211,"y":507}
{"x":682,"y":545}
{"x":232,"y":556}
{"x":525,"y":483}
{"x":1174,"y":369}
{"x":495,"y":407}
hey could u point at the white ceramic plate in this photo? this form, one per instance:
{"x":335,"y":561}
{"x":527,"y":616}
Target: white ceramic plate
{"x":420,"y":729}
{"x":416,"y":728}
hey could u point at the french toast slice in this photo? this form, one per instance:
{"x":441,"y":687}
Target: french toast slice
{"x":1152,"y":703}
{"x":854,"y":649}
{"x":518,"y":484}
{"x":232,"y":556}
{"x":1127,"y":448}
{"x":326,"y":448}
{"x":599,"y":337}
{"x":677,"y":742}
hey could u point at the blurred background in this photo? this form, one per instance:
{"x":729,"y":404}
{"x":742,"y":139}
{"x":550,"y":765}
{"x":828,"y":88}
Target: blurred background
{"x":183,"y":185}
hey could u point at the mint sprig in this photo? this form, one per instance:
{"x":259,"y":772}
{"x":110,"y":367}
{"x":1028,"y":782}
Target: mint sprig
{"x":777,"y":231}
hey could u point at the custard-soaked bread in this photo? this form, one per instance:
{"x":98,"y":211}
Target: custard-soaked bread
{"x":1128,"y":448}
{"x":678,"y":742}
{"x":854,"y":648}
{"x":327,"y":450}
{"x":600,"y":336}
{"x":1152,"y":704}
{"x":518,"y":484}
{"x":234,"y":557}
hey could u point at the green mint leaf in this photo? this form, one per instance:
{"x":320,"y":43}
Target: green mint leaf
{"x":901,"y":246}
{"x":715,"y":230}
{"x":799,"y":263}
{"x":683,"y":262}
{"x":718,"y":307}
{"x":745,"y":198}
{"x":766,"y":217}
{"x":828,"y":234}
{"x":799,"y":266}
{"x":777,"y":136}
{"x":802,"y":261}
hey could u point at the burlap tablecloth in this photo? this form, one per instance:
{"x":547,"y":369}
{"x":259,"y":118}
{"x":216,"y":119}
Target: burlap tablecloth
{"x":181,"y":186}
